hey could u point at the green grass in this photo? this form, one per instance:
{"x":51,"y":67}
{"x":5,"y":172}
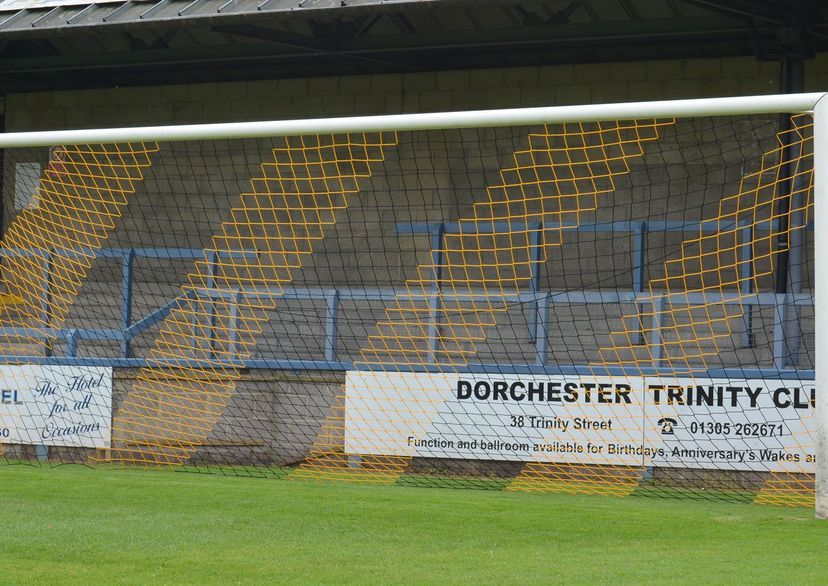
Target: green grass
{"x":75,"y":525}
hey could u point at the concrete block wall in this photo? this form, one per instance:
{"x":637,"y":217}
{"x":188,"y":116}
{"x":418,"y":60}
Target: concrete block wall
{"x":183,"y":202}
{"x":395,"y":93}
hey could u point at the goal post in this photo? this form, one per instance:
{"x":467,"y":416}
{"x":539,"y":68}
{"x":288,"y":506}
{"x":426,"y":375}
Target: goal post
{"x":743,"y":105}
{"x":820,"y":113}
{"x":555,"y":299}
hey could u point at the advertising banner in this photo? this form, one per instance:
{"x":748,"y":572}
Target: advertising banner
{"x":523,"y":418}
{"x":758,"y":425}
{"x":736,"y":424}
{"x":56,"y":405}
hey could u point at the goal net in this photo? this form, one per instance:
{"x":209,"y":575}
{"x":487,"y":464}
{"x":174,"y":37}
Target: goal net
{"x":615,"y":300}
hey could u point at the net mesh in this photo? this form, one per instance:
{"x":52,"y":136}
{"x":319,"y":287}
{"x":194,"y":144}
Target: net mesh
{"x":620,"y":308}
{"x":217,"y":316}
{"x":52,"y":244}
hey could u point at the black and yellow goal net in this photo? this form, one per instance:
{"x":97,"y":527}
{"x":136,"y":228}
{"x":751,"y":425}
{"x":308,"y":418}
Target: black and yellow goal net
{"x":527,"y":302}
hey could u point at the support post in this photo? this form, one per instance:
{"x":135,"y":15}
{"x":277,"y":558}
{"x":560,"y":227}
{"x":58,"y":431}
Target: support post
{"x":788,"y":234}
{"x":821,"y":303}
{"x":656,"y":342}
{"x":126,"y":300}
{"x":332,"y":300}
{"x":42,"y":453}
{"x":72,"y":342}
{"x":234,"y":325}
{"x":47,"y":299}
{"x":435,"y":301}
{"x":796,"y":257}
{"x":638,"y":261}
{"x":211,"y":285}
{"x":535,"y":254}
{"x":542,"y":330}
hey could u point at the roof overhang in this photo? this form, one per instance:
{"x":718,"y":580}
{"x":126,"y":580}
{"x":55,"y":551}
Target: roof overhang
{"x":46,"y":44}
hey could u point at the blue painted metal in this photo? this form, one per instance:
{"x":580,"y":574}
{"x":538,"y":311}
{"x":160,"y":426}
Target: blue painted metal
{"x":280,"y":364}
{"x":580,"y":297}
{"x":51,"y":333}
{"x":318,"y":293}
{"x":212,"y":273}
{"x":656,"y":338}
{"x":155,"y":253}
{"x":332,"y":309}
{"x":542,"y":300}
{"x":47,"y":299}
{"x":626,"y":226}
{"x":542,"y":331}
{"x":638,"y":276}
{"x":563,"y":297}
{"x":598,"y":370}
{"x":127,"y":269}
{"x":72,"y":342}
{"x":156,"y":316}
{"x":234,"y":324}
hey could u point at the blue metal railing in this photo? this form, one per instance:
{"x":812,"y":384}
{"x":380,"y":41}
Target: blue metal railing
{"x":128,"y":330}
{"x":783,"y":353}
{"x":538,"y":323}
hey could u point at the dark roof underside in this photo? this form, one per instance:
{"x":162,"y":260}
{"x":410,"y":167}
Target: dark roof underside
{"x":142,"y":42}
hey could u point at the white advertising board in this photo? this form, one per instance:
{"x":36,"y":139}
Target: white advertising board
{"x":523,"y":418}
{"x":735,"y":424}
{"x":732,"y":424}
{"x":56,"y":405}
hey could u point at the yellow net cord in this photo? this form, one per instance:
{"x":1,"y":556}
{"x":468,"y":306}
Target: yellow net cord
{"x":441,"y":319}
{"x":557,"y":180}
{"x":712,"y":262}
{"x":50,"y":246}
{"x":692,"y":335}
{"x":173,"y":406}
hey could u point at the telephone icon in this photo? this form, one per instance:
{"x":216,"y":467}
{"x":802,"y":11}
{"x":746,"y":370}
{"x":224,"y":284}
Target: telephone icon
{"x":667,"y":424}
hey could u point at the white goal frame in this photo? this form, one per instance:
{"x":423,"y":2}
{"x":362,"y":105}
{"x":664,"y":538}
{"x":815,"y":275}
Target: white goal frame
{"x":812,"y":103}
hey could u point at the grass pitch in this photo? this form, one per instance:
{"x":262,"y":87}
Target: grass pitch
{"x":75,"y":525}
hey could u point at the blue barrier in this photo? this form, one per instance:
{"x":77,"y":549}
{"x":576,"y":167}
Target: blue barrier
{"x":640,"y":229}
{"x":539,"y":316}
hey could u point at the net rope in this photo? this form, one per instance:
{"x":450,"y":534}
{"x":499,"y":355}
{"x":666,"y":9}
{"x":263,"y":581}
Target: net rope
{"x":174,"y":406}
{"x":687,"y":336}
{"x":49,"y":249}
{"x":324,"y":295}
{"x":555,"y":181}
